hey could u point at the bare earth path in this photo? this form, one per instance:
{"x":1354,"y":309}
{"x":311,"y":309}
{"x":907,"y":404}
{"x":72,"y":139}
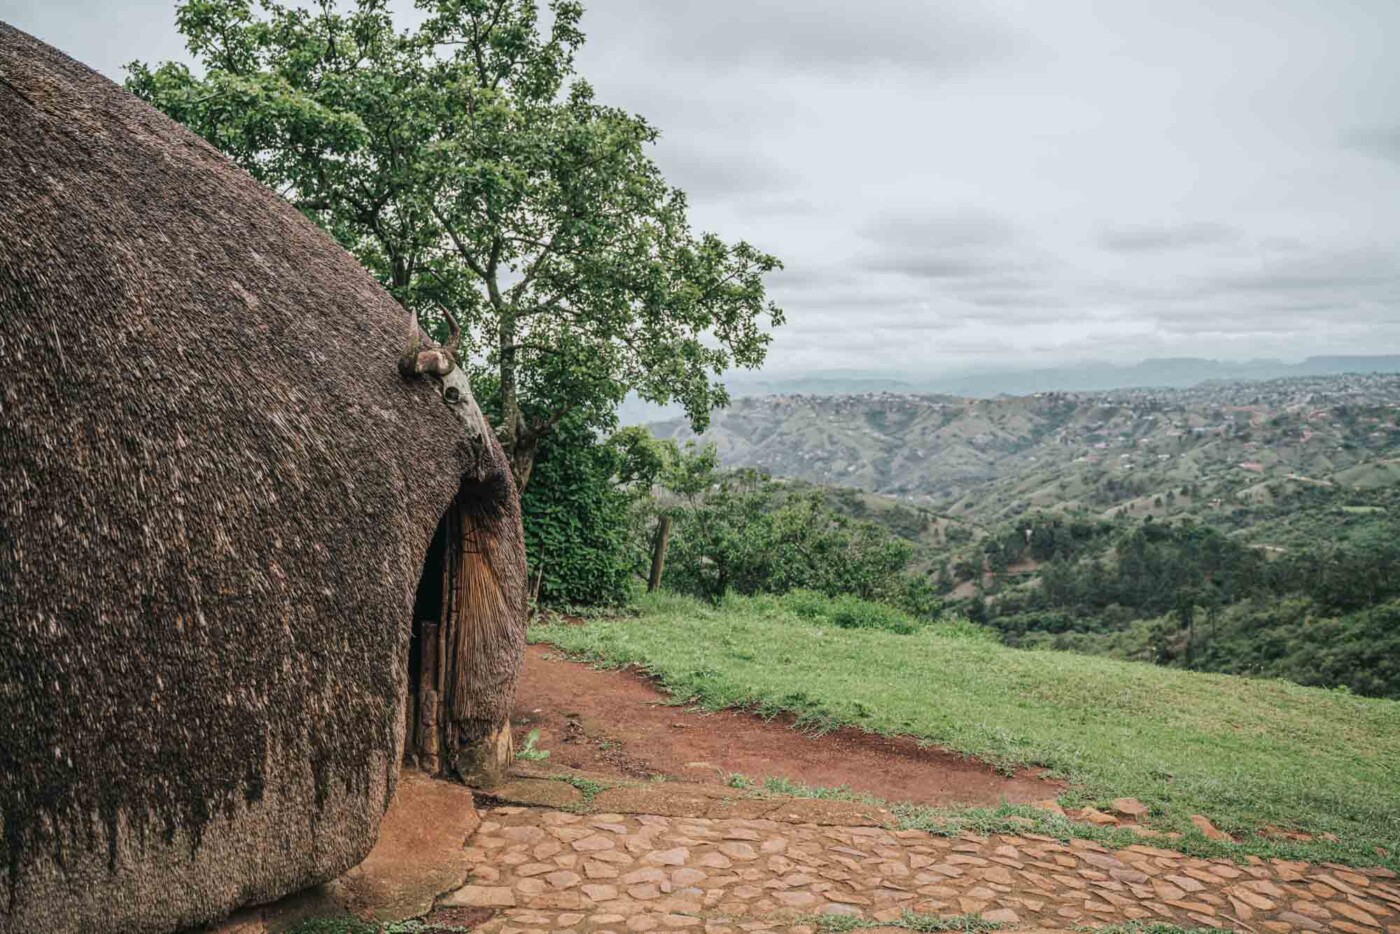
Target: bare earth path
{"x":617,"y":722}
{"x":552,"y":870}
{"x":592,"y":840}
{"x":627,"y":854}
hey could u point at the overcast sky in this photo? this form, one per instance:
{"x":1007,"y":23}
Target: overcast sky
{"x":973,"y":184}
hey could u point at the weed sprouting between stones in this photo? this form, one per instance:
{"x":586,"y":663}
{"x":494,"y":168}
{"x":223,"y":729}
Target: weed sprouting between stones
{"x":589,"y":788}
{"x":356,"y":926}
{"x":909,"y":921}
{"x":530,"y":751}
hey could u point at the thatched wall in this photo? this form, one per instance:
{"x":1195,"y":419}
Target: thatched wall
{"x":215,"y":497}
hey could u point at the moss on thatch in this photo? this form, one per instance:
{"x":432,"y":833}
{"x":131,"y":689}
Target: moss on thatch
{"x":215,"y":498}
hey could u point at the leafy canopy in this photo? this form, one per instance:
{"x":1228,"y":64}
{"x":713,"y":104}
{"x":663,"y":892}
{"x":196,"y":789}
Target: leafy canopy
{"x":467,"y":165}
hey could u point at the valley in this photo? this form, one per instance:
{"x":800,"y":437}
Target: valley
{"x":1215,"y":447}
{"x":1248,"y":528}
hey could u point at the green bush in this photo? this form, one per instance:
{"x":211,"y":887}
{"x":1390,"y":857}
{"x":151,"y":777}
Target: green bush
{"x":748,"y":534}
{"x":954,"y":626}
{"x":577,"y":521}
{"x":848,"y":612}
{"x":807,"y":604}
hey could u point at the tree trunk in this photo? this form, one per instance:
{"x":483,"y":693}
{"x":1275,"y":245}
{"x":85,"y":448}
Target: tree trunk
{"x":658,"y":553}
{"x":522,"y":460}
{"x":512,"y":419}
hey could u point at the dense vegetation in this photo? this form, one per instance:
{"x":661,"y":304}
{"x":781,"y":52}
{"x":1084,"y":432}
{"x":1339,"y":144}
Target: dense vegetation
{"x":576,"y":515}
{"x":1322,"y":610}
{"x":1248,"y":753}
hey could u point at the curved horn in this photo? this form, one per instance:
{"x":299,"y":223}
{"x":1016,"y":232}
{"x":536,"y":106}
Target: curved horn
{"x":454,"y":330}
{"x":408,"y":360}
{"x":415,"y":334}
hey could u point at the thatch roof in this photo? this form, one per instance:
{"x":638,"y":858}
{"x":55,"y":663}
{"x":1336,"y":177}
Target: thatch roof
{"x":215,"y":498}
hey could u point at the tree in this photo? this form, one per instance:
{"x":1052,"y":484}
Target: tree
{"x":468,"y":166}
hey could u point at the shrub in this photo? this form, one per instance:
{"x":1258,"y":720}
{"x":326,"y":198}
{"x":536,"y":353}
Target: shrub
{"x":576,"y":521}
{"x":956,"y":626}
{"x":853,"y":613}
{"x":848,"y":612}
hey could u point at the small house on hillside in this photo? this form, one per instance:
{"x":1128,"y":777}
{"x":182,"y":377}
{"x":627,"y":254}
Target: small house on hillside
{"x":245,"y":562}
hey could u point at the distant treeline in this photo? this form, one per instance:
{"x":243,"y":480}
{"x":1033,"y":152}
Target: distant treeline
{"x":1324,"y":611}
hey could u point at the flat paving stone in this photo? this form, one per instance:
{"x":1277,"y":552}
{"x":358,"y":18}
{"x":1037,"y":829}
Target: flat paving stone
{"x":695,"y":868}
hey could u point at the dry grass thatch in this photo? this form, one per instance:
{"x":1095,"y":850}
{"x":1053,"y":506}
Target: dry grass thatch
{"x":215,"y":497}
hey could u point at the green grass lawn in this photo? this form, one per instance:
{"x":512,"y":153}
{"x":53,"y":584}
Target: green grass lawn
{"x":1247,"y":753}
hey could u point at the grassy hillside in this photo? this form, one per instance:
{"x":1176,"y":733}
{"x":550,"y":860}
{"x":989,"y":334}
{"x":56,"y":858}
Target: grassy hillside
{"x":1246,"y":753}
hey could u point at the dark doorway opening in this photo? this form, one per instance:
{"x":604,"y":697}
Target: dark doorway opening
{"x":422,"y":739}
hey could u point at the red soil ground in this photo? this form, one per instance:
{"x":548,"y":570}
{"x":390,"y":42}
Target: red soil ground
{"x":617,"y":722}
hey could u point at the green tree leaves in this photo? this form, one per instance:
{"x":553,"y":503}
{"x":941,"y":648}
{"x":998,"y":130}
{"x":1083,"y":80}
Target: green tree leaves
{"x":467,"y":165}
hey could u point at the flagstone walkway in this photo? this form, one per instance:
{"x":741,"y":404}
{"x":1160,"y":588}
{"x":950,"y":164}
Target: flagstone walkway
{"x":782,"y":863}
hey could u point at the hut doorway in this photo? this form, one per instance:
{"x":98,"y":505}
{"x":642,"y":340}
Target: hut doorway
{"x":466,"y":644}
{"x":437,"y":616}
{"x":423,"y":737}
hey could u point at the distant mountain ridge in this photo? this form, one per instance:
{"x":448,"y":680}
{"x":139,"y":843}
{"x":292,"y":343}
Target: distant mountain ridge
{"x":1086,"y":376}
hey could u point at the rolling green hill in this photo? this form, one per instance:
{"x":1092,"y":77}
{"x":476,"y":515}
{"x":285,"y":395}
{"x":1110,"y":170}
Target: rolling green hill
{"x":1212,"y":448}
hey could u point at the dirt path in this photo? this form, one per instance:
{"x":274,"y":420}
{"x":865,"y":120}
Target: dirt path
{"x":618,"y":723}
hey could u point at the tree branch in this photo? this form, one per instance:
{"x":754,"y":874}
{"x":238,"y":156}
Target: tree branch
{"x":462,"y":250}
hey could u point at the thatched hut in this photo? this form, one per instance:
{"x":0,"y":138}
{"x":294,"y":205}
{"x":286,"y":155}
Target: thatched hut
{"x":220,"y":504}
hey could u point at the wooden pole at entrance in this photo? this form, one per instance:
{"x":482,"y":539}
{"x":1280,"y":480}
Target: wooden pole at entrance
{"x":429,"y":744}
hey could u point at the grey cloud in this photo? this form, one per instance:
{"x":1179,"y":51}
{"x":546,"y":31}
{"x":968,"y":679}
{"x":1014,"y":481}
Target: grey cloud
{"x":1383,"y":142}
{"x":719,"y":174}
{"x":966,"y":251}
{"x":940,"y":230}
{"x":1014,"y":300}
{"x":1347,"y":272}
{"x":814,"y":35}
{"x":1147,"y":239}
{"x":1008,"y":278}
{"x":933,"y":266}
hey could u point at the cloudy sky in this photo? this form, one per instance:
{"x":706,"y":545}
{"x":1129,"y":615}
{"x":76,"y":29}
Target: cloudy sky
{"x":957,"y":184}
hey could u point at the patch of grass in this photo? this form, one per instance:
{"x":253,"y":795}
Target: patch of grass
{"x":847,"y":612}
{"x":587,"y":787}
{"x":1137,"y":927}
{"x":909,"y":921}
{"x":1247,"y":753}
{"x":529,"y":751}
{"x":787,"y":788}
{"x":333,"y":926}
{"x":421,"y":927}
{"x":356,"y":926}
{"x":1020,"y":819}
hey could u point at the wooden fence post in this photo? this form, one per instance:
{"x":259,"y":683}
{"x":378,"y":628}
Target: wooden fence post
{"x":658,"y":553}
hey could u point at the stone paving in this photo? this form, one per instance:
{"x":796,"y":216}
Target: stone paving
{"x":554,"y":870}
